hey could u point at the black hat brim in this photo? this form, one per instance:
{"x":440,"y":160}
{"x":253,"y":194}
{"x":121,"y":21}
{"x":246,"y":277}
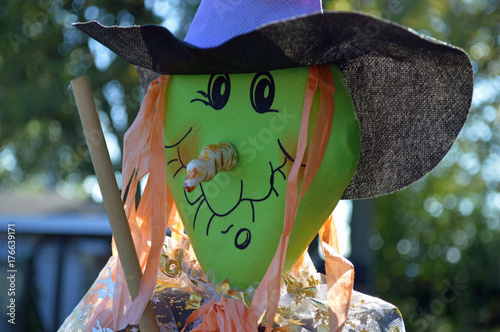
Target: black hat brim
{"x":412,"y":94}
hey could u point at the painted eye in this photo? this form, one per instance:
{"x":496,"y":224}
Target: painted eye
{"x":262,"y":93}
{"x":218,"y":90}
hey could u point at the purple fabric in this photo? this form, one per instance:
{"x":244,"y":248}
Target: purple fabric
{"x":217,"y":21}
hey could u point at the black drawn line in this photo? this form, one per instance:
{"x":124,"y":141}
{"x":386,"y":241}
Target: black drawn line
{"x":179,"y":142}
{"x":227,"y":230}
{"x":286,"y":153}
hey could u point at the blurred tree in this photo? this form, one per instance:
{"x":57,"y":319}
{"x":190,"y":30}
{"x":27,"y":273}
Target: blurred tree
{"x":41,"y":139}
{"x":436,"y":243}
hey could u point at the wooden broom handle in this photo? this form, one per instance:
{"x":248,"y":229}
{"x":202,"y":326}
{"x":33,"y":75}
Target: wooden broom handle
{"x":111,"y":196}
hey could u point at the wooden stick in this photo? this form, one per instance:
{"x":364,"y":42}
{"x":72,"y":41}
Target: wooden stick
{"x":111,"y":196}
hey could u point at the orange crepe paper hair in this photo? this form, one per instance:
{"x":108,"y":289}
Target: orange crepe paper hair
{"x":143,"y":154}
{"x":339,"y":276}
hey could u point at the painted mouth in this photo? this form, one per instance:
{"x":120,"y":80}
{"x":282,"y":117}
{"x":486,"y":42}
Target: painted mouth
{"x":243,"y":235}
{"x":203,"y":199}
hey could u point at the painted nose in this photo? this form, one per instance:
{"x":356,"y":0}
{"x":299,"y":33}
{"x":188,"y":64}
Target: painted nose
{"x":213,"y":158}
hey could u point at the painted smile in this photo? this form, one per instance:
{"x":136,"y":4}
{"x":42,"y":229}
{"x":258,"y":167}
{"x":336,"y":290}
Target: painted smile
{"x":243,"y":235}
{"x":203,"y":199}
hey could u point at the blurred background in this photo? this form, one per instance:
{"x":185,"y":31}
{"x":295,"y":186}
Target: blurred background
{"x":432,"y":249}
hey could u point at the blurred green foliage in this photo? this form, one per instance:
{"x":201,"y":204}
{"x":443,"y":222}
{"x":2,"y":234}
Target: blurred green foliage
{"x":436,"y":243}
{"x":41,"y":139}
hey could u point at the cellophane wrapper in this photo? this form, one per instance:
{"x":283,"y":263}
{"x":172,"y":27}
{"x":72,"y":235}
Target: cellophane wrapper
{"x":183,"y":287}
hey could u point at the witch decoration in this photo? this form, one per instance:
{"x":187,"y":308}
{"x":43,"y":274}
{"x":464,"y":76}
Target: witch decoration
{"x":251,"y":130}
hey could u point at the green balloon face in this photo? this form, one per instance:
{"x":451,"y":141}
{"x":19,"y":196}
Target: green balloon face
{"x":235,"y":221}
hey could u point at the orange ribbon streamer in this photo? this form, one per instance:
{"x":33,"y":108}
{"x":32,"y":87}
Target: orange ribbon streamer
{"x":143,"y":154}
{"x":339,"y":276}
{"x":267,"y":295}
{"x":223,"y":316}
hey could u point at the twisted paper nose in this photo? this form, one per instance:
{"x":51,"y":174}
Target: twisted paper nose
{"x":213,"y":158}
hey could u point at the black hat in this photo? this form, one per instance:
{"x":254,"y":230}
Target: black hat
{"x":412,"y":93}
